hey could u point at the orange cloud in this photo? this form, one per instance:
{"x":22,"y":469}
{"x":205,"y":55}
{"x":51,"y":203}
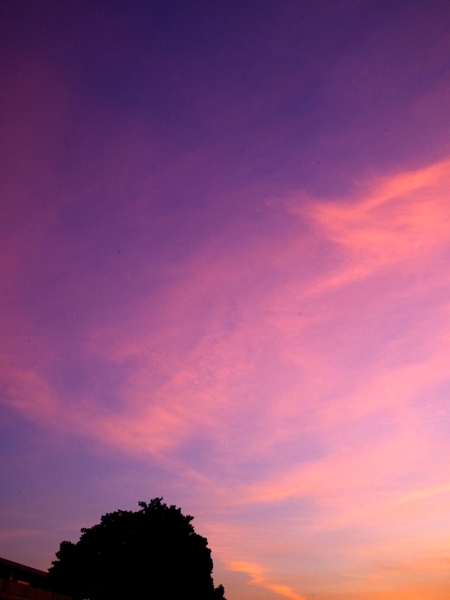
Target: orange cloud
{"x":257,"y":577}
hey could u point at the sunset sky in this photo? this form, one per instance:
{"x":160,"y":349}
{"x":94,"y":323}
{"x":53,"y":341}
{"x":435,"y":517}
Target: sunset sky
{"x":225,"y":280}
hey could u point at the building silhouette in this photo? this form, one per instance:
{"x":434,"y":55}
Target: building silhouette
{"x":20,"y":581}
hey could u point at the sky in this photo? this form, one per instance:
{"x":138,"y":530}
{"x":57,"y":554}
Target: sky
{"x":224,"y":250}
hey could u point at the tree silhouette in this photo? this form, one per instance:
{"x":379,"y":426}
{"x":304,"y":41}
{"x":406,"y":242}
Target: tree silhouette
{"x":151,"y":553}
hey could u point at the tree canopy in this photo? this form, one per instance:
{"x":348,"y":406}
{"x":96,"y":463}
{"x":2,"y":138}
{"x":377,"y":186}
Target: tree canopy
{"x":151,"y":553}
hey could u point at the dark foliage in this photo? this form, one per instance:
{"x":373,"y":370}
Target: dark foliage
{"x":153,"y":553}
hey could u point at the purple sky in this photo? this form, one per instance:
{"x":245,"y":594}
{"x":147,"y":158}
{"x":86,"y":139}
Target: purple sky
{"x":225,"y":239}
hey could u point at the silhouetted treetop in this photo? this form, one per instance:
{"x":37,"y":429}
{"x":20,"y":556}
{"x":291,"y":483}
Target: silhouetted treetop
{"x":151,"y":553}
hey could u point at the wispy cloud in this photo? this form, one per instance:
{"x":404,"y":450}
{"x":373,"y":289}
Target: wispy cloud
{"x":258,"y":578}
{"x":279,"y":371}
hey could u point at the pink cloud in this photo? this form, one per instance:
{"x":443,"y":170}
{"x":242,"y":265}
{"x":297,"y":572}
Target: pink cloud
{"x":401,"y":218}
{"x":304,"y":363}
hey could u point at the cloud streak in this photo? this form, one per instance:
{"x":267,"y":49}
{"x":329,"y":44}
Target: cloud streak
{"x":257,"y":578}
